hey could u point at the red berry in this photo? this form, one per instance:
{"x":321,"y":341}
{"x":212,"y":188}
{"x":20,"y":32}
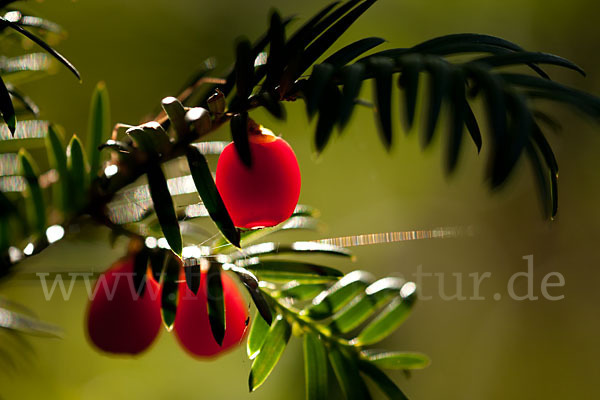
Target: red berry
{"x":265,"y":194}
{"x":192,"y":326}
{"x":119,"y":321}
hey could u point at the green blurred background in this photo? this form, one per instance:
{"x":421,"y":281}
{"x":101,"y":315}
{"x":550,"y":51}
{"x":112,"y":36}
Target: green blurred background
{"x":145,"y":50}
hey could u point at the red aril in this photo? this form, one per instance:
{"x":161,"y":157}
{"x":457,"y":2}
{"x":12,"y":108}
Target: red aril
{"x":266,"y":193}
{"x":119,"y":320}
{"x":192,"y":326}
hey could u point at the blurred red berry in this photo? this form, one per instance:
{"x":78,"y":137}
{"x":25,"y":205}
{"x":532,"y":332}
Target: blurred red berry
{"x":265,"y":194}
{"x":119,"y":321}
{"x":192,"y":326}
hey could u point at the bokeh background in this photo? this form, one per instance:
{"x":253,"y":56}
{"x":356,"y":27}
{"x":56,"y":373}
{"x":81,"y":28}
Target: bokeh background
{"x":145,"y":50}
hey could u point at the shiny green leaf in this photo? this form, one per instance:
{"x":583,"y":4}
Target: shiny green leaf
{"x":353,"y":50}
{"x":346,"y":370}
{"x":525,"y":57}
{"x":216,"y":302}
{"x":244,"y":69}
{"x":492,"y":87}
{"x":301,"y":38}
{"x":409,"y":81}
{"x":164,"y":208}
{"x":390,"y":317}
{"x":317,"y":24}
{"x":396,"y":359}
{"x":543,"y":179}
{"x":387,"y":386}
{"x":315,"y":367}
{"x":285,"y":271}
{"x":270,"y":352}
{"x":140,"y":269}
{"x":157,"y":259}
{"x":256,"y":336}
{"x":520,"y":127}
{"x":306,"y":34}
{"x":35,"y":201}
{"x":170,"y":289}
{"x":275,"y":62}
{"x":326,"y":18}
{"x":383,"y":69}
{"x":330,"y":36}
{"x":57,"y":159}
{"x":210,"y":195}
{"x":457,"y":118}
{"x":6,"y":108}
{"x":319,"y":79}
{"x":352,"y":78}
{"x":98,"y":126}
{"x":548,"y":155}
{"x":192,"y":275}
{"x":239,"y":134}
{"x":42,"y":44}
{"x":329,"y":110}
{"x":301,"y":291}
{"x":339,"y":294}
{"x":363,"y":306}
{"x":471,"y":42}
{"x":469,"y":38}
{"x":438,"y":70}
{"x":585,"y":102}
{"x":251,"y":283}
{"x":472,"y":126}
{"x":460,"y":43}
{"x":78,"y":171}
{"x":258,"y":46}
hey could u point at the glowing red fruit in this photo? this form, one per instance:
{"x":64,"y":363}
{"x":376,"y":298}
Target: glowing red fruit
{"x":192,"y":326}
{"x":119,"y":321}
{"x":265,"y":194}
